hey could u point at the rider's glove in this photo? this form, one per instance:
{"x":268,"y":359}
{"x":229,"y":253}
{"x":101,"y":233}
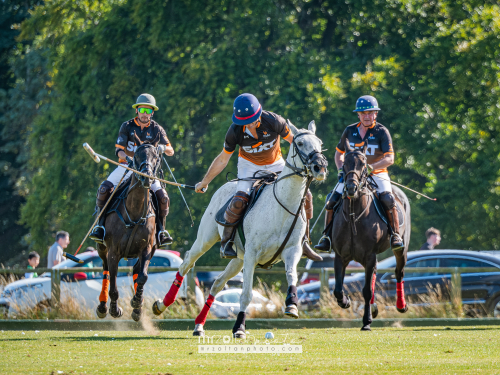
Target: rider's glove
{"x":369,"y":169}
{"x":341,"y":175}
{"x":130,"y":161}
{"x":162,"y":148}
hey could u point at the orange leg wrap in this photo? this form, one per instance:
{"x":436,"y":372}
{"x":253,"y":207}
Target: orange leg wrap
{"x":400,"y":290}
{"x":374,"y":278}
{"x":103,"y":297}
{"x":135,"y":284}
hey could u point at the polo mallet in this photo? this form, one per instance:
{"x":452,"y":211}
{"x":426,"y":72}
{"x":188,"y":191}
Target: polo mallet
{"x":73,"y":257}
{"x":407,"y":188}
{"x":180,"y":191}
{"x":97,"y":157}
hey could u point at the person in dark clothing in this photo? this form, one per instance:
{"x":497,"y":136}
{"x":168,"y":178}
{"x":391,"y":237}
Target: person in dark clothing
{"x":433,"y":239}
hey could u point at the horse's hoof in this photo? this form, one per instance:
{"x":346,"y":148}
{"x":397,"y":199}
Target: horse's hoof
{"x":135,"y":303}
{"x":157,"y":307}
{"x":403,"y":310}
{"x":101,"y":314}
{"x":239,"y":334}
{"x":345,"y":305}
{"x":366,"y":328}
{"x":198,"y":330}
{"x":116,"y":314}
{"x":137,"y":314}
{"x":292,"y":311}
{"x":374,"y":310}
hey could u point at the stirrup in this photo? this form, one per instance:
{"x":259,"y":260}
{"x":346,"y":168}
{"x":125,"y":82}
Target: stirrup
{"x":168,"y":239}
{"x":397,"y":238}
{"x":93,"y":235}
{"x":329,"y":244}
{"x":229,"y":255}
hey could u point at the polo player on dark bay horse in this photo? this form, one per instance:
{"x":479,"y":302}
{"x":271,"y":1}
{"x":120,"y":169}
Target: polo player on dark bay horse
{"x":146,"y":129}
{"x":380,"y":156}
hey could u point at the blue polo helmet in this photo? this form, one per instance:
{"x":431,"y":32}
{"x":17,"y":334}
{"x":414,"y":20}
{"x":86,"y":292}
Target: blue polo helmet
{"x":366,"y":103}
{"x":246,"y":109}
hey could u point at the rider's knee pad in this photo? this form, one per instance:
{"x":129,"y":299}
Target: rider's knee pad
{"x":236,"y":207}
{"x":103,"y":193}
{"x":332,"y":199}
{"x":308,"y":205}
{"x":387,"y":200}
{"x":163,"y":201}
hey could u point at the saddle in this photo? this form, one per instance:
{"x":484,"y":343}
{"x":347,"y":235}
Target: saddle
{"x":255,"y":192}
{"x":381,"y":211}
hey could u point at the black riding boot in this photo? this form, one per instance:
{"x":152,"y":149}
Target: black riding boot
{"x":234,"y":212}
{"x":103,"y":193}
{"x":306,"y":249}
{"x":396,"y":240}
{"x":164,"y":237}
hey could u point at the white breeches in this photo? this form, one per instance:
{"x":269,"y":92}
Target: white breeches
{"x":247,"y":169}
{"x":382,"y":179}
{"x":117,"y":174}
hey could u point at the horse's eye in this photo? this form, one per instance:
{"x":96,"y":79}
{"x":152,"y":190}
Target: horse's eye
{"x":300,"y":144}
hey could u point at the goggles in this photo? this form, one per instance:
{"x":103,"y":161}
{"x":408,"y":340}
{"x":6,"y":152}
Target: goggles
{"x":145,"y":110}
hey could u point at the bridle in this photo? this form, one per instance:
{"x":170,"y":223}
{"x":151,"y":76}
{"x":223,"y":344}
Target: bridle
{"x":361,"y":188}
{"x":304,"y":172}
{"x":146,"y":164}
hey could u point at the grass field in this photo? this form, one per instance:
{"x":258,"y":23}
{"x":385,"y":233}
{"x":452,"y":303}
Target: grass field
{"x":391,"y":350}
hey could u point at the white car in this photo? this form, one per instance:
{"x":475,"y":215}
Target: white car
{"x":227,"y":303}
{"x":86,"y":286}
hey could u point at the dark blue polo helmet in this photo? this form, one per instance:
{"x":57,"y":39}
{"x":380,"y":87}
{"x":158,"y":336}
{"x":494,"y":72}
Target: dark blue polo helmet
{"x":246,"y":109}
{"x":366,"y":103}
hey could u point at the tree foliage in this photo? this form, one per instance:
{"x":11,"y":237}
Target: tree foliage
{"x":433,"y":67}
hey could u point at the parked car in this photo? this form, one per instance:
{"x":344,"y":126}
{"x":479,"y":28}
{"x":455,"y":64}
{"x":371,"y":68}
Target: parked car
{"x":327,"y":262}
{"x":480,"y":291}
{"x":207,"y":279}
{"x":86,"y":286}
{"x":227,"y":303}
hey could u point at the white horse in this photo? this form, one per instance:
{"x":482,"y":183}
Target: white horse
{"x":266,"y":226}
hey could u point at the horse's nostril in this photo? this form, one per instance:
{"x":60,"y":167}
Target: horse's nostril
{"x":316,"y":169}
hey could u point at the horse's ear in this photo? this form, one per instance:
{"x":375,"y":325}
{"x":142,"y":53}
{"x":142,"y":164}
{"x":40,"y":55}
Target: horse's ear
{"x":292,"y":127}
{"x":365,"y":147}
{"x":155,"y":141}
{"x":312,"y":127}
{"x":138,"y":141}
{"x":348,"y":147}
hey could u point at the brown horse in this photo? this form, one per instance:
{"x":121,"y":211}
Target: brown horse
{"x":360,"y":234}
{"x":130,"y":232}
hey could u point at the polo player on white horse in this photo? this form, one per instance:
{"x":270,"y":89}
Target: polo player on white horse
{"x":257,"y":132}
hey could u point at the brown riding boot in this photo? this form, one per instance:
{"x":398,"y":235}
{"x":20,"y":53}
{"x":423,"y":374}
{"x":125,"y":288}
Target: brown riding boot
{"x":164,"y":237}
{"x":234,"y":212}
{"x":396,"y":240}
{"x":306,"y":249}
{"x":325,"y":242}
{"x":103,"y":194}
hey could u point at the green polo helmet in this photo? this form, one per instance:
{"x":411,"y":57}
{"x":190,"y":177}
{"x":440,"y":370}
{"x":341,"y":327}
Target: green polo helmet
{"x":146,"y":99}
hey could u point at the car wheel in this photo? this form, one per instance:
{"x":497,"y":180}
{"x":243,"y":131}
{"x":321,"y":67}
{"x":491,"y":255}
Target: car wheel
{"x":495,"y":308}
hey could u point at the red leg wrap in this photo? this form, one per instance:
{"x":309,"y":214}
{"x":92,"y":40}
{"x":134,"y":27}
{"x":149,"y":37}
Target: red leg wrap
{"x":103,"y":297}
{"x":400,"y":289}
{"x":134,"y":277}
{"x":374,"y":278}
{"x":202,"y":317}
{"x":174,"y":289}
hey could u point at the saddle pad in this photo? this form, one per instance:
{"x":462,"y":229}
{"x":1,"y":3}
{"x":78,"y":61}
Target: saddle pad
{"x":381,"y":211}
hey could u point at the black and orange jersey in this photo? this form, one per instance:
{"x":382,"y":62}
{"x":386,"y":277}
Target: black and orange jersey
{"x":379,"y":142}
{"x":126,"y":140}
{"x":265,"y":149}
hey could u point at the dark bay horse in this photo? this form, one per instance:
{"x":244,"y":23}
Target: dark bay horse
{"x":360,"y":234}
{"x":130,"y":232}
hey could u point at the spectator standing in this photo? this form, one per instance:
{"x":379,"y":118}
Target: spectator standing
{"x":433,"y":239}
{"x":33,"y":262}
{"x":56,"y":250}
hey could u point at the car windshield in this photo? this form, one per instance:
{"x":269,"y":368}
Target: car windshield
{"x":230,"y":298}
{"x":325,"y":263}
